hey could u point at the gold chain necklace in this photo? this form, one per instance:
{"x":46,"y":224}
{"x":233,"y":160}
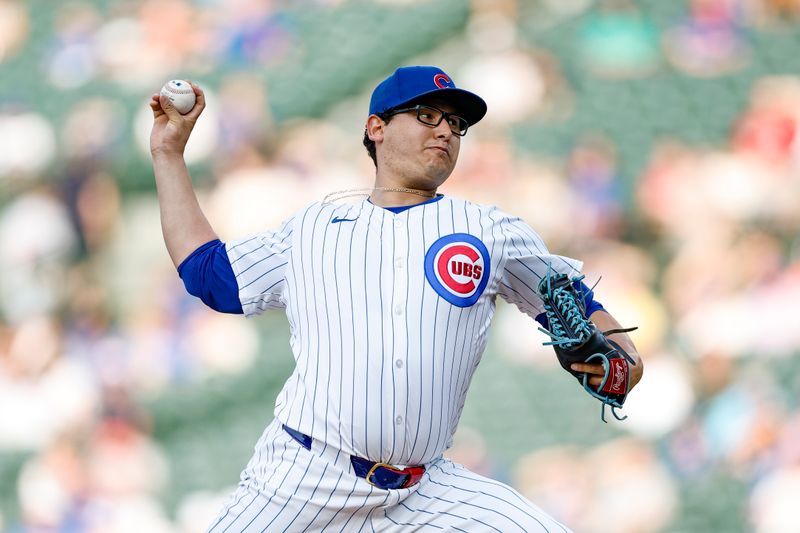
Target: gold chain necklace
{"x":409,"y":191}
{"x":339,"y":195}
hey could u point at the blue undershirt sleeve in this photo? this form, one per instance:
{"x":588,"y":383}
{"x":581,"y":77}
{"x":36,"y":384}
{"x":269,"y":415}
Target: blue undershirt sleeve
{"x":592,"y":305}
{"x":207,"y":274}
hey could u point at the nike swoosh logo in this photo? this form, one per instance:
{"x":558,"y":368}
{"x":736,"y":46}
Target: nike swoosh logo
{"x":337,"y":219}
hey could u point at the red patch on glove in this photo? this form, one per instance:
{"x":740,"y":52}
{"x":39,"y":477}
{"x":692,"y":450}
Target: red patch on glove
{"x":617,"y":382}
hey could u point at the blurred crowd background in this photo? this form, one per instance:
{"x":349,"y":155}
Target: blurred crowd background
{"x":659,"y":141}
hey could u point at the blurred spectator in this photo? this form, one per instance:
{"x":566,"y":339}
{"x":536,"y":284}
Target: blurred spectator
{"x":768,"y":128}
{"x":93,"y":130}
{"x":107,"y":486}
{"x":775,"y":13}
{"x":773,"y":504}
{"x":617,"y":41}
{"x":728,"y":324}
{"x":53,"y":488}
{"x":14,"y":27}
{"x":172,"y":42}
{"x":592,"y":172}
{"x":245,"y":115}
{"x":559,"y":480}
{"x":518,"y":82}
{"x":510,"y":80}
{"x":469,"y":449}
{"x":43,"y":394}
{"x":198,"y":509}
{"x":591,"y":490}
{"x":711,"y":41}
{"x":687,"y":451}
{"x":220,"y":343}
{"x":649,"y":414}
{"x":97,"y":206}
{"x":699,"y":196}
{"x":73,"y":60}
{"x":740,"y":420}
{"x":29,"y":144}
{"x":92,"y":199}
{"x":486,"y":168}
{"x":627,"y":475}
{"x":623,"y":276}
{"x":36,"y":242}
{"x":253,"y":32}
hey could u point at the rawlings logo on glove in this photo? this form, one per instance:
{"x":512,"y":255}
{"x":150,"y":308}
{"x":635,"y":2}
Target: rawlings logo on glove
{"x":577,"y":340}
{"x":619,"y":378}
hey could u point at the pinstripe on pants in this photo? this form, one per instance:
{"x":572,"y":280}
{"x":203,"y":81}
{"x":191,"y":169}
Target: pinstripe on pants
{"x":281,"y":490}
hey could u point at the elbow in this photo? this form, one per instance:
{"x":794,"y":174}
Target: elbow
{"x":207,"y":274}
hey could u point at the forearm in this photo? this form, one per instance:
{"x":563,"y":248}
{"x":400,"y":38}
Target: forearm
{"x":183,"y":224}
{"x":605,"y":322}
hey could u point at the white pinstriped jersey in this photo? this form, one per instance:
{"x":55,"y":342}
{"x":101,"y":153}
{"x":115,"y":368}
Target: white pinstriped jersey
{"x":389,"y":315}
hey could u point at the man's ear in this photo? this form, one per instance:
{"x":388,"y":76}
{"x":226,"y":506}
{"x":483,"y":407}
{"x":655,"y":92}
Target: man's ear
{"x":375,"y":127}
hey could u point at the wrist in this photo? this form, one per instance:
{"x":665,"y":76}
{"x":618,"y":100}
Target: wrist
{"x":164,"y":153}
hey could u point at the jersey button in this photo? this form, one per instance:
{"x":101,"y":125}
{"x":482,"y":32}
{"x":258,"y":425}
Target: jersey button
{"x":398,"y":222}
{"x":398,"y":262}
{"x":398,"y":310}
{"x":398,"y":420}
{"x":398,"y":363}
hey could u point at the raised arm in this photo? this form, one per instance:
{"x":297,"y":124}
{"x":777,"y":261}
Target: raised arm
{"x":183,"y":224}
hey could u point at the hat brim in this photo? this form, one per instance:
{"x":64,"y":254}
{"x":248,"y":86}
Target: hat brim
{"x":469,"y":105}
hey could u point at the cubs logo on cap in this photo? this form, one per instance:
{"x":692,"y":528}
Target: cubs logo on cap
{"x":457,"y":266}
{"x":411,"y":84}
{"x":442,"y":81}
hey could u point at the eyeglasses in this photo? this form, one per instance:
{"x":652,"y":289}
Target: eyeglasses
{"x":433,"y":116}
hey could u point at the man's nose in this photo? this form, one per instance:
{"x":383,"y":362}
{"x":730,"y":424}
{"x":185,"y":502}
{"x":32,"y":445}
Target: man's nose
{"x":443,"y":130}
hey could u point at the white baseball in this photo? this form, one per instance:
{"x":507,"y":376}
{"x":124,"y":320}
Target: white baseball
{"x":181,"y":94}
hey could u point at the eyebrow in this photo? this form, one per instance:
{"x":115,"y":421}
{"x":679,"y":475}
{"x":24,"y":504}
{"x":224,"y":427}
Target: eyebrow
{"x":444,"y":106}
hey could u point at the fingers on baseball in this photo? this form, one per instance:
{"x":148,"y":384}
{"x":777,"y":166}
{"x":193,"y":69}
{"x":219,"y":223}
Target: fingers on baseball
{"x":165,"y":102}
{"x":199,"y":103}
{"x":155,"y":105}
{"x":169,"y":108}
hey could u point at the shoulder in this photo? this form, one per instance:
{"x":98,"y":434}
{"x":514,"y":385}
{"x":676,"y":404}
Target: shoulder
{"x":330,"y":208}
{"x":314,"y":211}
{"x":483,"y":209}
{"x":316,"y":215}
{"x":494,"y":214}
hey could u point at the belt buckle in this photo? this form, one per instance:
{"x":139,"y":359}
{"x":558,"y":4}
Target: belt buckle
{"x":413,"y":474}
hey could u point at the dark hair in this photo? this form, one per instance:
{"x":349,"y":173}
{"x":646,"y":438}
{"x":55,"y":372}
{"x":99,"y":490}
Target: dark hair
{"x":369,"y":144}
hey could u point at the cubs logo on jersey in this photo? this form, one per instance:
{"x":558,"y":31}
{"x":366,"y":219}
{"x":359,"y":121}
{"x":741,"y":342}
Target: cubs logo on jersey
{"x":457,"y":267}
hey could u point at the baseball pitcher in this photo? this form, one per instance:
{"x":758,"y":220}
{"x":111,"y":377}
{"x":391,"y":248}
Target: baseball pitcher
{"x":389,"y":302}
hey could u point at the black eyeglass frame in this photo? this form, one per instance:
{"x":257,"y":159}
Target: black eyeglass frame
{"x":444,"y":116}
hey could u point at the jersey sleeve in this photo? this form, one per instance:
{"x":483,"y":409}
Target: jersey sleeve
{"x":259,"y":265}
{"x":207,"y":274}
{"x":526,"y":262}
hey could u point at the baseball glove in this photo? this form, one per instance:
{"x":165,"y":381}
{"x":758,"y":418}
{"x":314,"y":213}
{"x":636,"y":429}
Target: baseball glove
{"x":577,"y":340}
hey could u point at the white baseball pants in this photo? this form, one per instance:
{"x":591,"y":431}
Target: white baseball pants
{"x":288,"y":488}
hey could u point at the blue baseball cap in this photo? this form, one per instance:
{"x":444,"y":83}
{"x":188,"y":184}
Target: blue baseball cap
{"x":407,"y":84}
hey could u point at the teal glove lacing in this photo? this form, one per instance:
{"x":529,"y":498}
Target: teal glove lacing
{"x":567,"y":310}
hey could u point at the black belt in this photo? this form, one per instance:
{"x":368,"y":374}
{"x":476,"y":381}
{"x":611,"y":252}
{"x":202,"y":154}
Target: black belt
{"x":381,"y":475}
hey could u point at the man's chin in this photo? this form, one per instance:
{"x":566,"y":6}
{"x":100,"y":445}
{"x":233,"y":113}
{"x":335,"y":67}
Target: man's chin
{"x":439,"y":170}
